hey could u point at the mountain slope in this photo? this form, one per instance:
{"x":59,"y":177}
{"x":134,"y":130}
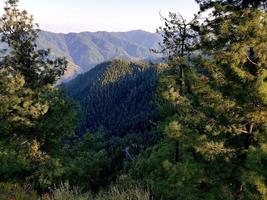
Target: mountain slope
{"x":116,"y":96}
{"x":87,"y":49}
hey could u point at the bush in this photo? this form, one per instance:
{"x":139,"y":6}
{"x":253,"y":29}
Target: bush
{"x":115,"y":193}
{"x":10,"y":191}
{"x":65,"y":192}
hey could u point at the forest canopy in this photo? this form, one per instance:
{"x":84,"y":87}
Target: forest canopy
{"x":192,"y":125}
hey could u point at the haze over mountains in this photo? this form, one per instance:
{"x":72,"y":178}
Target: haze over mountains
{"x":87,"y":49}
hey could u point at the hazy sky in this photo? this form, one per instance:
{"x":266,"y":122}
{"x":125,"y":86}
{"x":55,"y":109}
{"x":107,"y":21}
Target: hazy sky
{"x":103,"y":15}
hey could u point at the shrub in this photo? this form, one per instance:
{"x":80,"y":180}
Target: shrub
{"x":65,"y":192}
{"x":10,"y":191}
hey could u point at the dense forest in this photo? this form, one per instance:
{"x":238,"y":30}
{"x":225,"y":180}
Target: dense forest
{"x":191,"y":126}
{"x":116,"y":96}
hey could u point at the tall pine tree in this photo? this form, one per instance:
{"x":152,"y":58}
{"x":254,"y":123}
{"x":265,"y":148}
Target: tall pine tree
{"x":34,"y":116}
{"x":221,"y":122}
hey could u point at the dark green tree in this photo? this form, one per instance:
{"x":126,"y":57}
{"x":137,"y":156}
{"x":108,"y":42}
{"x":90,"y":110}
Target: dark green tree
{"x":86,"y":162}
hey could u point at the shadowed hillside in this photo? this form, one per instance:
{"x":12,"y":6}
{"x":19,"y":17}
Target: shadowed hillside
{"x":116,"y":96}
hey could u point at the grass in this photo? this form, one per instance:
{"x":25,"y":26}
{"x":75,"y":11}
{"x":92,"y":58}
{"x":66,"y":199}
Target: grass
{"x":66,"y":192}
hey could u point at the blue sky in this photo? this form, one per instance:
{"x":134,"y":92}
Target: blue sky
{"x":103,"y":15}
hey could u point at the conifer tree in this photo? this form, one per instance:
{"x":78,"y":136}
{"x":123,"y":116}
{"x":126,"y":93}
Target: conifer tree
{"x":233,"y":4}
{"x":34,"y":116}
{"x":179,"y":41}
{"x":236,"y":41}
{"x":221,"y":123}
{"x":20,"y":34}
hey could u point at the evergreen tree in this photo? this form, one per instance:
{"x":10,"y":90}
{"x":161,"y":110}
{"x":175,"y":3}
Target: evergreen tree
{"x":221,"y":123}
{"x":34,"y":115}
{"x":86,"y":162}
{"x":179,"y":35}
{"x":236,"y":40}
{"x":20,"y":34}
{"x":233,"y":4}
{"x":179,"y":41}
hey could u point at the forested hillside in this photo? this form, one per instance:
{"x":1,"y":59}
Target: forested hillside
{"x":193,"y":127}
{"x":116,"y":97}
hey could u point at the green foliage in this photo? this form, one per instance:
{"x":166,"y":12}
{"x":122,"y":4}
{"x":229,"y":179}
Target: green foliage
{"x":20,"y":34}
{"x":13,"y":191}
{"x":148,"y":168}
{"x":236,"y":4}
{"x":219,"y":120}
{"x":26,"y":146}
{"x":116,"y":96}
{"x":34,"y":115}
{"x":65,"y":192}
{"x":117,"y":99}
{"x":179,"y":35}
{"x":86,"y":162}
{"x":132,"y":193}
{"x":213,"y":114}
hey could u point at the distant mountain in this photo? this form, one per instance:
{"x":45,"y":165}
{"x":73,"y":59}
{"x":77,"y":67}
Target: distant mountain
{"x":87,"y":49}
{"x":116,"y":96}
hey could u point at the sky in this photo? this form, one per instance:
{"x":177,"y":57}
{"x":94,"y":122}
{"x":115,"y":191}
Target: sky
{"x":103,"y":15}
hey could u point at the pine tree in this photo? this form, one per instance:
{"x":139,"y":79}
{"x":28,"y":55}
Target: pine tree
{"x":237,"y":42}
{"x":233,"y":4}
{"x":20,"y":34}
{"x":221,"y":123}
{"x":34,"y":116}
{"x":179,"y":41}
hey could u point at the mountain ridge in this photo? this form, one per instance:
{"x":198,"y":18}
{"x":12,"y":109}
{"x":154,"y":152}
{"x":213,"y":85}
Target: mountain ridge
{"x":86,"y":49}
